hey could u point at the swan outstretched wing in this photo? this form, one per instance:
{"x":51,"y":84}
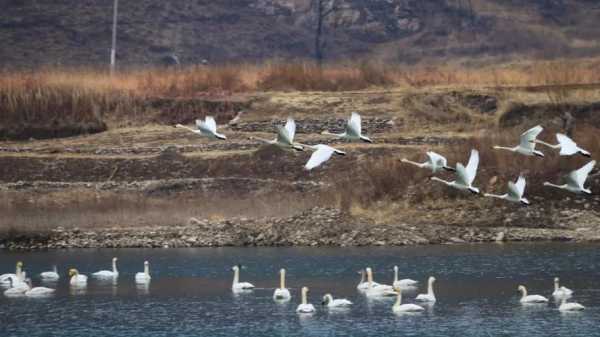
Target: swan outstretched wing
{"x":517,"y":188}
{"x":528,"y":137}
{"x":354,"y":125}
{"x":290,"y":127}
{"x":211,"y":123}
{"x":471,"y":168}
{"x":567,"y":145}
{"x":462,"y":177}
{"x":321,"y":155}
{"x":283,"y":136}
{"x":578,"y":177}
{"x":437,"y":159}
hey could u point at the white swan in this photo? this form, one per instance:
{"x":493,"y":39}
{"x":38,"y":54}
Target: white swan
{"x":108,"y":273}
{"x":207,"y":128}
{"x":353,"y":130}
{"x":464,"y":176}
{"x":530,"y":298}
{"x":76,"y":279}
{"x":143,"y":277}
{"x":376,"y":289}
{"x":566,"y":145}
{"x":576,"y":179}
{"x":561,"y":292}
{"x":515,"y":192}
{"x":38,"y":291}
{"x":5,"y":279}
{"x":569,"y":306}
{"x":285,"y":137}
{"x":282,"y":293}
{"x":305,"y":307}
{"x":50,"y":275}
{"x":527,"y":143}
{"x":435,"y":162}
{"x":16,"y":287}
{"x":430,"y":296}
{"x":330,"y":302}
{"x":364,"y":284}
{"x":237,"y":285}
{"x":404,"y":282}
{"x":322,"y":154}
{"x":409,"y":307}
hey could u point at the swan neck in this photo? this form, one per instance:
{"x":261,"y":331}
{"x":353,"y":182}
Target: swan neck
{"x":441,"y":180}
{"x":362,"y":276}
{"x":282,"y":279}
{"x":304,"y":297}
{"x":399,"y":298}
{"x":524,"y":292}
{"x":370,"y":277}
{"x":236,"y":276}
{"x":114,"y":266}
{"x":430,"y":287}
{"x":147,"y":270}
{"x":395,"y":274}
{"x":414,"y":163}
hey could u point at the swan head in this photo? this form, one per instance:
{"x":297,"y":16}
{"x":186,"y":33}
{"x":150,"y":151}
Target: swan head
{"x":524,"y":201}
{"x":73,"y":272}
{"x":326,"y":299}
{"x":556,"y":279}
{"x":146,"y":263}
{"x":19,"y":264}
{"x":538,"y":153}
{"x":395,"y":268}
{"x":304,"y":290}
{"x":431,"y":279}
{"x":237,"y":267}
{"x":521,"y":288}
{"x":114,"y":259}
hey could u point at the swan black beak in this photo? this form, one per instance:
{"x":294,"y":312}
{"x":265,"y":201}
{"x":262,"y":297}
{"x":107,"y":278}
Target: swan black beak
{"x":588,"y":155}
{"x":449,"y":169}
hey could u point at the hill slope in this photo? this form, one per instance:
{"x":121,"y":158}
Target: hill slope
{"x":78,"y":32}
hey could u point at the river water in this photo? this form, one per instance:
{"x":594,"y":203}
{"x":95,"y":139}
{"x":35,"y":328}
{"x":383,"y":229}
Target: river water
{"x":190,"y":292}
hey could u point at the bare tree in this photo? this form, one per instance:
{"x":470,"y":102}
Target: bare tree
{"x":322,"y":10}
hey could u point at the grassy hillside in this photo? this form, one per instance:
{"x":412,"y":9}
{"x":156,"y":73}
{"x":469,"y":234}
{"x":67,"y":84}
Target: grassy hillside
{"x":77,"y":32}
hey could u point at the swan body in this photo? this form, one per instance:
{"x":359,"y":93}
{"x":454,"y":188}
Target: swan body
{"x":353,"y":130}
{"x":50,"y":275}
{"x":282,"y":293}
{"x":38,"y":291}
{"x":143,"y":277}
{"x":6,"y":279}
{"x":530,"y":298}
{"x":237,"y":285}
{"x":410,"y":307}
{"x":569,"y":306}
{"x":576,"y":180}
{"x":17,"y":287}
{"x":561,"y":292}
{"x":430,"y":295}
{"x":527,"y":143}
{"x":435,"y":162}
{"x":515,"y":192}
{"x":285,"y":137}
{"x":330,"y":302}
{"x":376,"y":289}
{"x":322,"y":154}
{"x":566,"y":146}
{"x":404,"y":282}
{"x":108,"y":273}
{"x":76,"y":279}
{"x":305,"y":307}
{"x":464,"y":175}
{"x":206,"y":128}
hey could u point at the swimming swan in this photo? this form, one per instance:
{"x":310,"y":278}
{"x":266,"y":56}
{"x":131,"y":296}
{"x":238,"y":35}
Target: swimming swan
{"x":561,"y":291}
{"x":527,"y":143}
{"x":322,"y":154}
{"x":430,"y":296}
{"x":409,"y":307}
{"x":77,"y":279}
{"x":38,"y":291}
{"x":376,"y":289}
{"x":530,"y":298}
{"x":108,"y":273}
{"x":237,"y":285}
{"x":330,"y":302}
{"x":569,"y":306}
{"x":364,"y":284}
{"x":282,"y":293}
{"x":50,"y":275}
{"x":404,"y":282}
{"x":207,"y":128}
{"x":464,"y":176}
{"x":515,"y":192}
{"x":5,"y":279}
{"x":435,"y":162}
{"x":285,"y":137}
{"x":566,"y":145}
{"x":143,"y":277}
{"x":576,"y":179}
{"x":305,"y":307}
{"x":16,"y":288}
{"x":353,"y":130}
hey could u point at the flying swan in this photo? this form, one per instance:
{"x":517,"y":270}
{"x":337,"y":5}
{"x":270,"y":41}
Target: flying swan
{"x":282,"y":293}
{"x":305,"y":307}
{"x":285,"y":137}
{"x":353,"y":130}
{"x":435,"y":162}
{"x":566,"y":146}
{"x":515,"y":192}
{"x":238,"y":286}
{"x":322,"y":154}
{"x":206,"y":128}
{"x":527,"y":143}
{"x":525,"y":299}
{"x":464,"y":176}
{"x":576,"y":179}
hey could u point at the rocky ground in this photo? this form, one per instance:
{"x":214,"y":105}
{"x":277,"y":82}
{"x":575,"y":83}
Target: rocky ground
{"x":154,"y":185}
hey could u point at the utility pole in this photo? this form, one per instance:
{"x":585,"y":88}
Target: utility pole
{"x":113,"y":50}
